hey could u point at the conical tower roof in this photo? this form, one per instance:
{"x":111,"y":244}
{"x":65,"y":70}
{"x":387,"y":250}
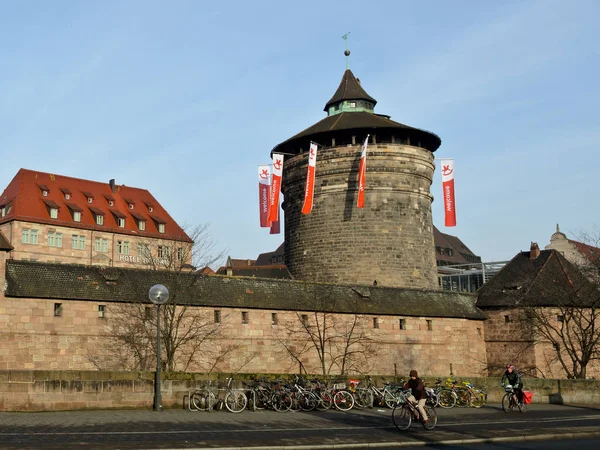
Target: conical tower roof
{"x":350,"y":119}
{"x":349,"y":89}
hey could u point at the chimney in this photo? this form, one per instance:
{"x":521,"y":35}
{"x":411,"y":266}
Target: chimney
{"x":534,"y":251}
{"x":111,"y":183}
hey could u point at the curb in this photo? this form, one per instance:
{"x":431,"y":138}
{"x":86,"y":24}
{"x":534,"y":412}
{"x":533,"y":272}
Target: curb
{"x":448,"y":442}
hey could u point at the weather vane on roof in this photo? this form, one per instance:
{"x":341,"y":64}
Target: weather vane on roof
{"x":347,"y":52}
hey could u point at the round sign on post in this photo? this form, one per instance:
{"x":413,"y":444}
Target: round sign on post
{"x":158,"y":294}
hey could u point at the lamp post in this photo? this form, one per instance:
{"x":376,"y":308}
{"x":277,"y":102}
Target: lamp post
{"x":158,"y":295}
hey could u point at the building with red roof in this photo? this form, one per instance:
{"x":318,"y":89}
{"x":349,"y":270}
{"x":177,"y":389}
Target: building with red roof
{"x":53,"y":218}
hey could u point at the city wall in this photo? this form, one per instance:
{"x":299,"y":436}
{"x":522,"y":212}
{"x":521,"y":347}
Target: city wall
{"x":81,"y":390}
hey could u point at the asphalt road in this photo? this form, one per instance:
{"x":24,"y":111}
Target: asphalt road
{"x":182,"y":429}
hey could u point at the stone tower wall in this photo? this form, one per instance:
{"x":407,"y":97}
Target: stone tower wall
{"x":390,"y":240}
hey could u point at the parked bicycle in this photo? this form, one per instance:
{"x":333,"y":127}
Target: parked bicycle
{"x":210,"y":397}
{"x":405,"y":412}
{"x":366,"y":397}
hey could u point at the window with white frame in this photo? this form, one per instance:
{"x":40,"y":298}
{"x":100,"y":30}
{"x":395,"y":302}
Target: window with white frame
{"x":161,"y":227}
{"x":101,"y":245}
{"x":160,"y":251}
{"x":131,"y":206}
{"x":99,"y":219}
{"x":45,"y":193}
{"x":53,"y":213}
{"x":29,"y":236}
{"x":90,"y":199}
{"x":54,"y":239}
{"x":78,"y":242}
{"x":67,"y":196}
{"x":123,"y":247}
{"x":111,"y":203}
{"x":102,"y":311}
{"x":150,"y":209}
{"x":180,"y":254}
{"x":142,"y":225}
{"x":143,"y":250}
{"x":121,"y":222}
{"x":76,"y":216}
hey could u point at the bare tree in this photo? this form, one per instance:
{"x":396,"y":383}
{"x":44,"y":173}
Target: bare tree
{"x":340,"y":340}
{"x":190,"y":335}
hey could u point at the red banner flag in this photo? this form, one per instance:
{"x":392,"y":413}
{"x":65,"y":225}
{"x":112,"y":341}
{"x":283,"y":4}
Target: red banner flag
{"x":309,"y":190}
{"x":275,"y":227}
{"x":362,"y":175}
{"x":448,"y":190}
{"x":264,"y":194}
{"x":275,"y":187}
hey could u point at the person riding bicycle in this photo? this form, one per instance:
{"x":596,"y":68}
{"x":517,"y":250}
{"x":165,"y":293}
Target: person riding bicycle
{"x":513,"y":377}
{"x":418,"y":394}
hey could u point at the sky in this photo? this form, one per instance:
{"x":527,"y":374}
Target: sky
{"x":186,"y":98}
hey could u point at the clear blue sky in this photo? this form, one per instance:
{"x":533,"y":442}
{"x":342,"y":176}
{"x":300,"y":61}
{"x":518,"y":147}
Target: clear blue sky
{"x":186,"y":98}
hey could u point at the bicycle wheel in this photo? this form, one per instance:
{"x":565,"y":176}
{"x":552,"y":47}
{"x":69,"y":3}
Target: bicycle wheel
{"x":507,"y":402}
{"x":363,"y":398}
{"x":306,"y":401}
{"x":389,"y":399}
{"x":447,"y":398}
{"x":431,"y":416}
{"x":477,"y":399}
{"x":522,"y":407}
{"x":203,"y":400}
{"x":462,"y":398}
{"x":235,"y":401}
{"x":343,"y":400}
{"x":281,"y":401}
{"x":401,"y":416}
{"x":325,"y":401}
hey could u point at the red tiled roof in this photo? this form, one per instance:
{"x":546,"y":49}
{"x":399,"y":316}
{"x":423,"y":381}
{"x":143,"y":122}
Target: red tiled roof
{"x":590,"y":252}
{"x":110,"y":198}
{"x":66,"y":191}
{"x":24,"y":195}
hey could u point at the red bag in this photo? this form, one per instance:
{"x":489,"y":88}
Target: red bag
{"x":527,"y":396}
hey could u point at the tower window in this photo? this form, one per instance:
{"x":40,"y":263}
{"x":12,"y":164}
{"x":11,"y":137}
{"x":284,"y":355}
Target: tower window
{"x":58,"y":309}
{"x":402,"y":324}
{"x":217,"y":314}
{"x":375,"y":322}
{"x":244,"y":317}
{"x":429,"y":325}
{"x":274,"y":320}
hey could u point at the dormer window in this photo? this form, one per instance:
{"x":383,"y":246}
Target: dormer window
{"x":76,"y":216}
{"x":4,"y":210}
{"x":111,"y":203}
{"x":150,"y":208}
{"x":45,"y":189}
{"x":67,"y":193}
{"x":130,"y":202}
{"x":45,"y":193}
{"x":90,"y":199}
{"x":142,"y":225}
{"x":121,"y":222}
{"x":161,"y":227}
{"x":52,"y":208}
{"x":98,"y":215}
{"x":352,"y":104}
{"x":89,"y":196}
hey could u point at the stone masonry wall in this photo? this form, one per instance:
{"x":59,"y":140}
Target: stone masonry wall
{"x":88,"y":255}
{"x":79,"y":390}
{"x":33,"y":338}
{"x":507,"y":343}
{"x":390,"y":240}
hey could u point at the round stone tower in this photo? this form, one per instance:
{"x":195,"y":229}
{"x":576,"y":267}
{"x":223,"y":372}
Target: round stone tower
{"x":388,"y":242}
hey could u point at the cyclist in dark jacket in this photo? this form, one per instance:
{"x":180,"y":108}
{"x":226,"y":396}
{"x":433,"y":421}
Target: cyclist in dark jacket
{"x":418,"y":394}
{"x":513,"y":377}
